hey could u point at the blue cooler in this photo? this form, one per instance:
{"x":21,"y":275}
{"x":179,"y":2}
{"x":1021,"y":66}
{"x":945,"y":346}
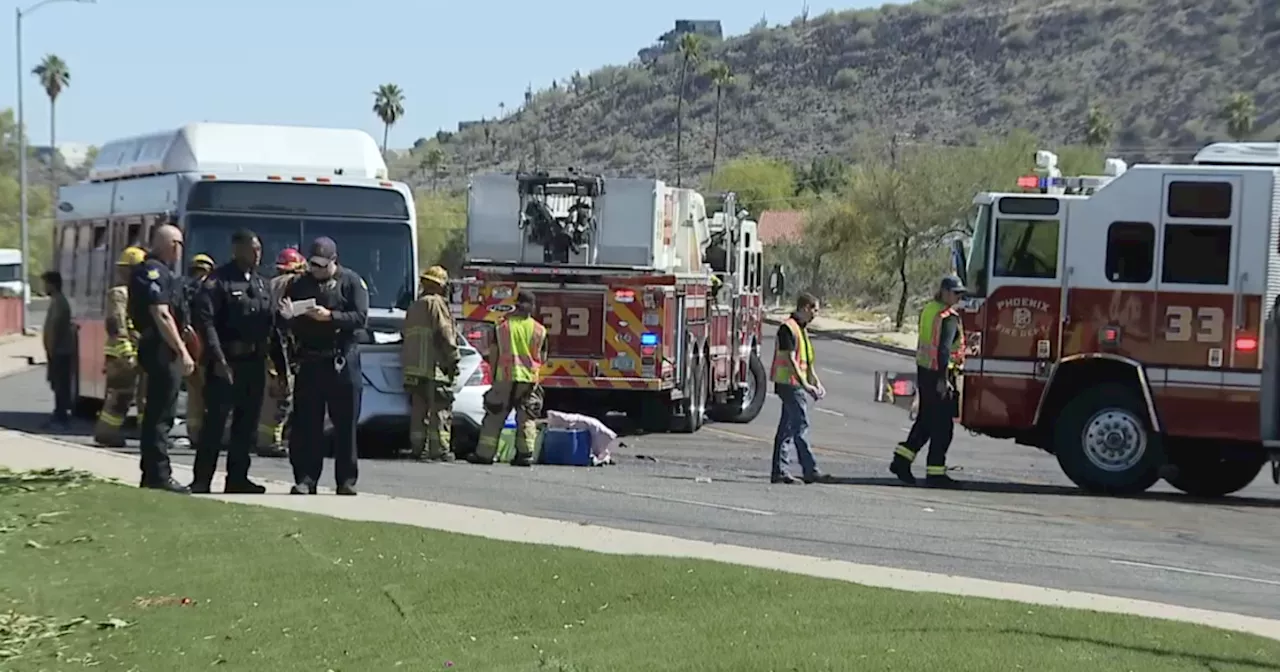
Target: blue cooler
{"x":567,"y":447}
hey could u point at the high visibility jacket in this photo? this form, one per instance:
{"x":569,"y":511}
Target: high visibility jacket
{"x":782,"y":371}
{"x":521,"y":345}
{"x":119,"y":343}
{"x":931,"y":318}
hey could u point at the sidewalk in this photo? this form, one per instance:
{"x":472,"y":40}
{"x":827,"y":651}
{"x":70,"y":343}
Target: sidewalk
{"x":23,"y":452}
{"x":18,"y":352}
{"x":878,"y":335}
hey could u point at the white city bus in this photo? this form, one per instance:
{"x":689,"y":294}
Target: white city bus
{"x":287,"y":184}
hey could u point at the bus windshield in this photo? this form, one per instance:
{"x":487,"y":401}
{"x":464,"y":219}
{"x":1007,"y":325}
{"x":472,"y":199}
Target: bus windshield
{"x":380,"y":251}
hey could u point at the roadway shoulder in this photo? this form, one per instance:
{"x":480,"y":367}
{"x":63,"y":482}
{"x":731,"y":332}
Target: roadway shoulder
{"x":24,"y":452}
{"x":849,"y":338}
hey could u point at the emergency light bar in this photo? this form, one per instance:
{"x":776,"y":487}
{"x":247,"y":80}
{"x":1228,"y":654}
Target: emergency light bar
{"x":1088,"y":184}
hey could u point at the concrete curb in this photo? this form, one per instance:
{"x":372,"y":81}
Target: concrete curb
{"x":16,"y":452}
{"x":864,"y":342}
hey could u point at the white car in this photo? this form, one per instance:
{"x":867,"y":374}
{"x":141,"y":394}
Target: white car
{"x":384,"y":406}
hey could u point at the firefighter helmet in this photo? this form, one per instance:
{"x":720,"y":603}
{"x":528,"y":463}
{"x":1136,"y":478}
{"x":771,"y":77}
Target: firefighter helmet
{"x":202,"y":261}
{"x":436,"y":274}
{"x":132,"y":256}
{"x":290,"y":259}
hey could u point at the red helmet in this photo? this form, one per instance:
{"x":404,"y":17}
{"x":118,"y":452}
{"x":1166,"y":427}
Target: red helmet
{"x":290,"y":259}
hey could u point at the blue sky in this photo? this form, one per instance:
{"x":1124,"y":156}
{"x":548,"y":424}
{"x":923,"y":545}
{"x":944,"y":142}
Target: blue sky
{"x":143,"y":65}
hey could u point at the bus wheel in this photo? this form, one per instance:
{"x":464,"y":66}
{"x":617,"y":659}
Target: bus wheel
{"x":1212,"y":473}
{"x":1104,"y":444}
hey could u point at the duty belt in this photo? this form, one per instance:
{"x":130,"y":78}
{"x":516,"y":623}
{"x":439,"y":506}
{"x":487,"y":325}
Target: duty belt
{"x":242,"y":349}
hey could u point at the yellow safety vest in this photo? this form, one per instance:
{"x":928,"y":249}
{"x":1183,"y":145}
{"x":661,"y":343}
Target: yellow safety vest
{"x":520,"y":350}
{"x":781,"y":371}
{"x":931,"y":318}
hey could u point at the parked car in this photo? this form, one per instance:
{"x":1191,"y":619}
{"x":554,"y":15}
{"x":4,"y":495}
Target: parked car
{"x":384,"y":405}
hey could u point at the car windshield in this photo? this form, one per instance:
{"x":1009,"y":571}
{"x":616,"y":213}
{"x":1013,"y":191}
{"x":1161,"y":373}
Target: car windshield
{"x":380,"y":251}
{"x":10,"y":272}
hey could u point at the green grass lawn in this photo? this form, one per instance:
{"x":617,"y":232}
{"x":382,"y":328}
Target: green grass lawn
{"x":106,"y":576}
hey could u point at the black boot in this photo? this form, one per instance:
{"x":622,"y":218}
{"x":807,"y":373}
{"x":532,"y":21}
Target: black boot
{"x":243,"y":486}
{"x":902,"y":469}
{"x":943,"y":481}
{"x":167,"y":485}
{"x":522,"y":460}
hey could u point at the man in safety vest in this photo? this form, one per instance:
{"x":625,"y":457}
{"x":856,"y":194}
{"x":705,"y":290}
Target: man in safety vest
{"x":121,"y":353}
{"x":939,"y":355}
{"x":516,"y":357}
{"x":794,"y":375}
{"x":199,"y":268}
{"x":278,"y":401}
{"x":429,"y":355}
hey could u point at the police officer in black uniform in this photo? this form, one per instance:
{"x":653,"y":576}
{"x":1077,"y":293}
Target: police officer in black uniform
{"x":325,"y":344}
{"x":158,"y":310}
{"x":235,"y":315}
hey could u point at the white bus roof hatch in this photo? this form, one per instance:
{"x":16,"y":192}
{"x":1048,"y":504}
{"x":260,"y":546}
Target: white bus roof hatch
{"x":1240,"y":153}
{"x":218,"y":148}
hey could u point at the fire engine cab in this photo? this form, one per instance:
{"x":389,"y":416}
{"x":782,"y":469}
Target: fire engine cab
{"x":1122,"y":321}
{"x":651,"y":304}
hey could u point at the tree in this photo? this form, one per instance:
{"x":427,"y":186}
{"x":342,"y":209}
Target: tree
{"x":760,"y":183}
{"x":432,"y":162}
{"x":1098,"y":128}
{"x":822,"y":175}
{"x":690,"y":51}
{"x":388,"y":104}
{"x":721,"y":77}
{"x":55,"y":77}
{"x":1239,"y":112}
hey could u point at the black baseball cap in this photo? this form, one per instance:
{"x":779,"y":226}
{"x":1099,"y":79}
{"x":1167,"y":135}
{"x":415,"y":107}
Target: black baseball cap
{"x":323,"y":251}
{"x":953,"y":283}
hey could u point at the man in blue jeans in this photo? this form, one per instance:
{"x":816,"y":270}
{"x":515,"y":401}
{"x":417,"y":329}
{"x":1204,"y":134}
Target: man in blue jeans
{"x":794,"y":375}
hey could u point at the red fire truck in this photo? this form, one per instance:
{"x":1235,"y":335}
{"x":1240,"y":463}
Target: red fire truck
{"x":652,"y":307}
{"x":1120,"y":321}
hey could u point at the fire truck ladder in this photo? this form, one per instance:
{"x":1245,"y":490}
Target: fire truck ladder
{"x":558,"y":213}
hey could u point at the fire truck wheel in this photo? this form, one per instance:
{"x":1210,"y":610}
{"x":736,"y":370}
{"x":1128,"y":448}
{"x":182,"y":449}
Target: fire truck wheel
{"x":1104,"y":444}
{"x":693,"y":407}
{"x":1208,"y":473}
{"x":745,"y":406}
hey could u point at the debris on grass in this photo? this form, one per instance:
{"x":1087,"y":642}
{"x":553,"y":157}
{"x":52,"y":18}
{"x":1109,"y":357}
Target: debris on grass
{"x":18,"y":482}
{"x":113,"y":624}
{"x":19,"y":632}
{"x":162,"y":601}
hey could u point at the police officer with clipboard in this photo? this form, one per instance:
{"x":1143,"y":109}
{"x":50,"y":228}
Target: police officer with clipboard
{"x":325,"y":336}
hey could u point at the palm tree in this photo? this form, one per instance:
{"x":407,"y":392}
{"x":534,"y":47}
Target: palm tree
{"x":55,"y":78}
{"x":388,"y":104}
{"x":433,"y":161}
{"x":1239,"y":113}
{"x":690,"y":51}
{"x":720,"y":77}
{"x":1097,"y":131}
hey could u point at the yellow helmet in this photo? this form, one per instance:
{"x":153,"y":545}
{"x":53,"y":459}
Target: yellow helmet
{"x":132,"y":256}
{"x":436,"y":274}
{"x":202,"y":260}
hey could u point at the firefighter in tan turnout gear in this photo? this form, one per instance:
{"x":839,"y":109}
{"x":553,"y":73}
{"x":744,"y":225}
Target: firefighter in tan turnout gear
{"x":199,"y":268}
{"x":429,"y":355}
{"x":516,"y":357}
{"x":121,"y":355}
{"x":278,"y":400}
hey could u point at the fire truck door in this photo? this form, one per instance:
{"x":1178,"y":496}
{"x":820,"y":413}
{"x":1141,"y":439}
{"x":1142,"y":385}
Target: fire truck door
{"x":1197,"y":278}
{"x":1022,"y":311}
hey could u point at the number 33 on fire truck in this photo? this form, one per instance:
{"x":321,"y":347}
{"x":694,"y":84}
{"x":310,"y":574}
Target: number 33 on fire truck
{"x":1204,"y":323}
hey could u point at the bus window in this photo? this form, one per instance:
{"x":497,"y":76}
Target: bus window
{"x":80,"y":278}
{"x":98,"y":269}
{"x":134,"y":237}
{"x":67,"y":252}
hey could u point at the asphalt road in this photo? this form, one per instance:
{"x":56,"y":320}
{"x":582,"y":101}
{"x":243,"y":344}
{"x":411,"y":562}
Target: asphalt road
{"x":1020,"y":520}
